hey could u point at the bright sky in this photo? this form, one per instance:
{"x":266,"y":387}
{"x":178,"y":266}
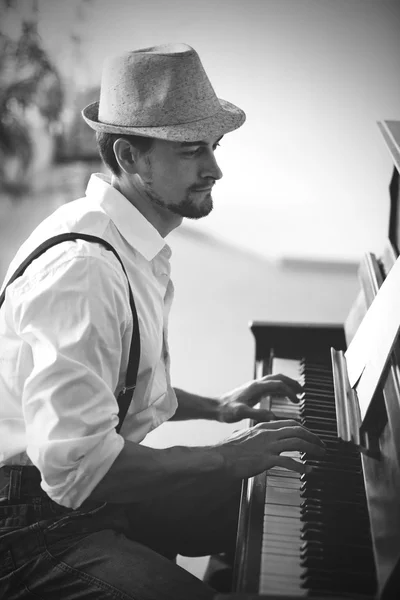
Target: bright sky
{"x":308,"y":172}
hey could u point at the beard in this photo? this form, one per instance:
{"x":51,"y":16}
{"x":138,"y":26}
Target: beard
{"x":190,"y":207}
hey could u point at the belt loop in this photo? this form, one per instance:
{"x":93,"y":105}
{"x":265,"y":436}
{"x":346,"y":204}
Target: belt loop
{"x":14,"y":492}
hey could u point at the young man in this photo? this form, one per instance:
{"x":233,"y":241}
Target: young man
{"x":85,"y":511}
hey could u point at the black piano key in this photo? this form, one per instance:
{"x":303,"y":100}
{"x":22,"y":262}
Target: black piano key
{"x":329,"y":549}
{"x":333,"y":561}
{"x":335,"y":548}
{"x":343,"y":505}
{"x":333,"y":514}
{"x":342,"y":581}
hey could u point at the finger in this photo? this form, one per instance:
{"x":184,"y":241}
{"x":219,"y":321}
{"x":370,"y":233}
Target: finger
{"x":292,"y":465}
{"x":297,"y":431}
{"x":299,"y":445}
{"x":292,"y":383}
{"x":259,"y":415}
{"x":279,"y":424}
{"x":277,"y":388}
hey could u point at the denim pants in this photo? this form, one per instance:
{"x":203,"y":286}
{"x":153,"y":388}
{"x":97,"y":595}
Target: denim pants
{"x":109,"y":551}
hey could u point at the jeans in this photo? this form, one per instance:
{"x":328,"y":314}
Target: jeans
{"x":109,"y":551}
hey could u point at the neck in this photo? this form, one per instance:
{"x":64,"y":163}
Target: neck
{"x":161,"y":218}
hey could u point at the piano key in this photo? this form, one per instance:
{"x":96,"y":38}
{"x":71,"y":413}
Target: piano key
{"x":282,"y":510}
{"x":285,"y":565}
{"x":278,"y":527}
{"x":312,"y":506}
{"x":276,"y":541}
{"x":283,"y":495}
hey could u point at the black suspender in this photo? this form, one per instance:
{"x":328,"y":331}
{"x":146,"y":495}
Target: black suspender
{"x":125,"y":396}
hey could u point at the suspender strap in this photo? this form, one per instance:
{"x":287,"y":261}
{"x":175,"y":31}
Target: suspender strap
{"x":125,"y":396}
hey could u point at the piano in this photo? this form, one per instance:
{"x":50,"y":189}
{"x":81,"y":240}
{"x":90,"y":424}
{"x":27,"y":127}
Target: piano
{"x":334,"y":533}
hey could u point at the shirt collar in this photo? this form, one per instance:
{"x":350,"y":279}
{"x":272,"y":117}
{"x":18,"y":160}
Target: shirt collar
{"x":132,"y":225}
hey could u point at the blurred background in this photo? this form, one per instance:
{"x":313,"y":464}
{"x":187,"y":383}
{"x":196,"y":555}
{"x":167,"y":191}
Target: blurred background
{"x":305,"y":186}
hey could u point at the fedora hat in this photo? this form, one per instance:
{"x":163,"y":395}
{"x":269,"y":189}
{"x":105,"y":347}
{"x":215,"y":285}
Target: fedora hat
{"x":160,"y":92}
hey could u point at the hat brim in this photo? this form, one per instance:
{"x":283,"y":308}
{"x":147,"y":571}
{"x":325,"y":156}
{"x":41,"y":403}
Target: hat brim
{"x":227,"y":119}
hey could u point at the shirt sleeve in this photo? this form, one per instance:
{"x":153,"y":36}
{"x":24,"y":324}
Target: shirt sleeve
{"x":74,"y":318}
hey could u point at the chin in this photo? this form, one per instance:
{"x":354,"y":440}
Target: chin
{"x":193,"y":210}
{"x":198,"y":212}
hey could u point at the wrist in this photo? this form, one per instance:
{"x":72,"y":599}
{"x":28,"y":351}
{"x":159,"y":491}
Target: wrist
{"x":195,"y":460}
{"x":192,"y":406}
{"x":214,"y":409}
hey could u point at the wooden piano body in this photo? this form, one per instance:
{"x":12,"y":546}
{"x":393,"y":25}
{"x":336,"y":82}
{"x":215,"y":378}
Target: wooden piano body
{"x":381,"y":473}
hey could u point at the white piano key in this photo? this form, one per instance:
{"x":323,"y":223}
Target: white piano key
{"x":282,"y":472}
{"x":289,"y":550}
{"x":283,"y":495}
{"x":279,"y":527}
{"x":289,"y":567}
{"x":281,"y":571}
{"x":289,"y":540}
{"x":284,"y":576}
{"x":282,"y":510}
{"x":288,"y":543}
{"x":281,"y":482}
{"x":287,"y":472}
{"x":281,"y":588}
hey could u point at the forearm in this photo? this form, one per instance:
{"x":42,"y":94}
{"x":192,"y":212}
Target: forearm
{"x":140,"y":472}
{"x":192,"y":406}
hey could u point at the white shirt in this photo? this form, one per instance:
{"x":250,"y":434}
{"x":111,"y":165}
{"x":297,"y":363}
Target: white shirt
{"x":66,"y":328}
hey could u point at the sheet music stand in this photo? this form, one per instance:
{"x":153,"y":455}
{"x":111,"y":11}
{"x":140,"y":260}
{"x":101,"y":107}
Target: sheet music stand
{"x":391,"y":134}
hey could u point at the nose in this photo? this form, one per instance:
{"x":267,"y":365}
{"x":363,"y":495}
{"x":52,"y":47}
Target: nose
{"x":210,"y":167}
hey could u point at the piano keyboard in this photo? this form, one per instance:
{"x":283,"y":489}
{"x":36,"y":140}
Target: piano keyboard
{"x":316,"y":536}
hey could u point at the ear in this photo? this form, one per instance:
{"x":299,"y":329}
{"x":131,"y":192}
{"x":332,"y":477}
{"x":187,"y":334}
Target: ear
{"x":126,"y":156}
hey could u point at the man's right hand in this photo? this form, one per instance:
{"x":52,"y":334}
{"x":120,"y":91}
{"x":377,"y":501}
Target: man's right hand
{"x":140,"y":472}
{"x":251,"y":451}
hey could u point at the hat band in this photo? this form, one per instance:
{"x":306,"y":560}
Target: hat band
{"x":153,"y":123}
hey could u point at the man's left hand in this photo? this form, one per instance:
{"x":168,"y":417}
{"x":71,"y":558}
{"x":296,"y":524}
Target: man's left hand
{"x":239,"y":403}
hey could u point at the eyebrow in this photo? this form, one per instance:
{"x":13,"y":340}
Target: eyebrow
{"x":199,"y":143}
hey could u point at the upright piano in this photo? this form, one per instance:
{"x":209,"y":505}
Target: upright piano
{"x":334,"y":533}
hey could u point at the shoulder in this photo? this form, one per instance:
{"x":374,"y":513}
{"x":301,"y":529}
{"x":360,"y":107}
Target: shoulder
{"x":71,"y":269}
{"x":80,"y":217}
{"x":79,"y":260}
{"x":80,"y":281}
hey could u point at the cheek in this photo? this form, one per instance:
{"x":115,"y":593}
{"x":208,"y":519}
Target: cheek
{"x":176,"y":177}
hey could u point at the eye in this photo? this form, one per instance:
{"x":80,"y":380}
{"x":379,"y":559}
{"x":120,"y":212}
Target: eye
{"x":193,"y":151}
{"x":197,"y":150}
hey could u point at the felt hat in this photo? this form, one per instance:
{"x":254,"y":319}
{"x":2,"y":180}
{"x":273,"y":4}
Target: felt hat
{"x":161,"y":92}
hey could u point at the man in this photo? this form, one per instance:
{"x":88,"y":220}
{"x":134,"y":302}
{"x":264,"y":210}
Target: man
{"x":85,"y":511}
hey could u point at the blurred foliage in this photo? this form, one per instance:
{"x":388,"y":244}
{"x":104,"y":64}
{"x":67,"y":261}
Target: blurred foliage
{"x":28,"y":80}
{"x":78,"y":141}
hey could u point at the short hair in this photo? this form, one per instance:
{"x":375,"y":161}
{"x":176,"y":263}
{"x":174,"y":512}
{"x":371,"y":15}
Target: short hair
{"x":105,"y":145}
